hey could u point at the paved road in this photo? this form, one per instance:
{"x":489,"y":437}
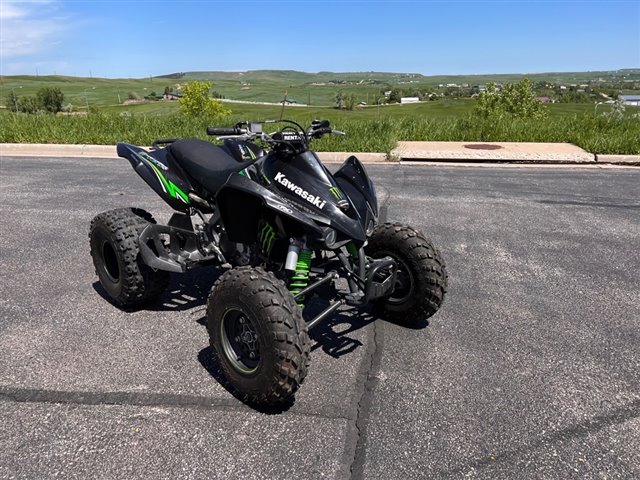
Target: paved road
{"x":530,"y":370}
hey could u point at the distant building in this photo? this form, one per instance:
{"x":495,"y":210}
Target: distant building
{"x":409,"y":100}
{"x":630,"y":100}
{"x":172,"y":96}
{"x":545,"y":99}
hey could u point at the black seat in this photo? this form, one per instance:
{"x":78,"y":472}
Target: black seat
{"x":207,"y":164}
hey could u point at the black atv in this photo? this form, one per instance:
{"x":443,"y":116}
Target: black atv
{"x":284,"y":228}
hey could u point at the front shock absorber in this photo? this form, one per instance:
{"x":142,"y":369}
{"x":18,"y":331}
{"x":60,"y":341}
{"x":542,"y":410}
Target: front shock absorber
{"x":300,"y":278}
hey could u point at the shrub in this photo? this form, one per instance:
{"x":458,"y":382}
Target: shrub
{"x":514,"y":100}
{"x":50,"y":99}
{"x":195,"y":101}
{"x":12,"y":101}
{"x":28,"y":104}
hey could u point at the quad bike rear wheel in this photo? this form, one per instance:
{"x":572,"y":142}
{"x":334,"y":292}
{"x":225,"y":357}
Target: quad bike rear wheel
{"x":421,"y":281}
{"x":257,"y":335}
{"x":113,"y":238}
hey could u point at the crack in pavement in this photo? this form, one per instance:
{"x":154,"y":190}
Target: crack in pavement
{"x":356,"y":437}
{"x":138,"y":399}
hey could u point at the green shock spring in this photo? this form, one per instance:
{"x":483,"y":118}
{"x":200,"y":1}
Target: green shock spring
{"x":300,"y":278}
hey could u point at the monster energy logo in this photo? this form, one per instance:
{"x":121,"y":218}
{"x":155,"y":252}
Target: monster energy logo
{"x":336,"y":193}
{"x":266,"y":237}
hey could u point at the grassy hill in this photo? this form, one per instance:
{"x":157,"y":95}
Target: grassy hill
{"x":269,"y":85}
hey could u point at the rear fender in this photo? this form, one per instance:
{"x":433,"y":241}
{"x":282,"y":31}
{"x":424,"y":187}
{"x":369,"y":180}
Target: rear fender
{"x":243,"y":202}
{"x":155,"y":168}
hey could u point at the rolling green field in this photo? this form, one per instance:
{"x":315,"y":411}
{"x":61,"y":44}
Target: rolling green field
{"x":370,"y":128}
{"x":317,"y":89}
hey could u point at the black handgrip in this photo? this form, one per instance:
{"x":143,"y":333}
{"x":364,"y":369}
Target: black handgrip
{"x":319,"y":132}
{"x":163,"y":141}
{"x":223,"y":131}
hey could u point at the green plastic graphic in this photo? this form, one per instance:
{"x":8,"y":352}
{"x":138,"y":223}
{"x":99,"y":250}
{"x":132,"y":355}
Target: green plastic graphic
{"x":167,"y":185}
{"x":336,"y":193}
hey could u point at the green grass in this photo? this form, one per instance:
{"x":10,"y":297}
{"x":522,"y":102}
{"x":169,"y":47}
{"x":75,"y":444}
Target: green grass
{"x":446,"y":108}
{"x":597,"y":135}
{"x":369,"y":128}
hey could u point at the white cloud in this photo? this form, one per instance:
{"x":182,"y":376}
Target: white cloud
{"x":28,"y":28}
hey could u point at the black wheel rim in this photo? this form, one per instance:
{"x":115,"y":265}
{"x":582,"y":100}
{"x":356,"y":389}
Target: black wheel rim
{"x":239,"y":340}
{"x":110,"y":261}
{"x":405,"y":283}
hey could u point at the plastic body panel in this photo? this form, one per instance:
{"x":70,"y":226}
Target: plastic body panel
{"x":162,"y":175}
{"x":306,"y":182}
{"x":243,"y":202}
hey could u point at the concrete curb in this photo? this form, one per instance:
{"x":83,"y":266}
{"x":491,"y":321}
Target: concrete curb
{"x":57,"y":150}
{"x":364,"y":157}
{"x":427,"y":153}
{"x":492,"y":152}
{"x":619,"y":159}
{"x":109,"y":151}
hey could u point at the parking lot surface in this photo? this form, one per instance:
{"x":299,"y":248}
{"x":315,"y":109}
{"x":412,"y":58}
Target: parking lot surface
{"x":530,"y":370}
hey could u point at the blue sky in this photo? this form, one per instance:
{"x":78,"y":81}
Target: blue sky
{"x":137,"y":39}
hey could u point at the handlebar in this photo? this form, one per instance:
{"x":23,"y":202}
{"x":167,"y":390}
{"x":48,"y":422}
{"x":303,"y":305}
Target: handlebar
{"x":287,"y":138}
{"x":224,"y":131}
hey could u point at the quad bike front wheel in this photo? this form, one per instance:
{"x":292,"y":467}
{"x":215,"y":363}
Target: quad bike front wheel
{"x":257,"y":335}
{"x":113,"y":239}
{"x":421,"y":281}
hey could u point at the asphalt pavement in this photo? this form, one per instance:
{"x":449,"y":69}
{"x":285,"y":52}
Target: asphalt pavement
{"x":530,"y":370}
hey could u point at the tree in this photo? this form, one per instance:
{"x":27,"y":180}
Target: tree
{"x":28,"y":104}
{"x":196,"y":102}
{"x":167,"y":90}
{"x":50,"y":99}
{"x":133,"y":96}
{"x":340,"y":100}
{"x":12,"y":101}
{"x":350,"y":101}
{"x":514,"y":100}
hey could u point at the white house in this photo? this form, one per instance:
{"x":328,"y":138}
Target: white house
{"x":630,"y":100}
{"x":409,"y":99}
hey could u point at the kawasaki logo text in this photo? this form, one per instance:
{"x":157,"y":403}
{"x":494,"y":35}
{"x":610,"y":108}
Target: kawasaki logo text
{"x":312,"y":199}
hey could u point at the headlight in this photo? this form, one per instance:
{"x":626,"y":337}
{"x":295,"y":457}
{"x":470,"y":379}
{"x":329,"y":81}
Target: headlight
{"x":370,"y":227}
{"x":330,"y":237}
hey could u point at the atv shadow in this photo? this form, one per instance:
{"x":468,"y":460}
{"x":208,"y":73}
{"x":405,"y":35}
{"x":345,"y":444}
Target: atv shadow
{"x":332,"y":335}
{"x":186,"y":291}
